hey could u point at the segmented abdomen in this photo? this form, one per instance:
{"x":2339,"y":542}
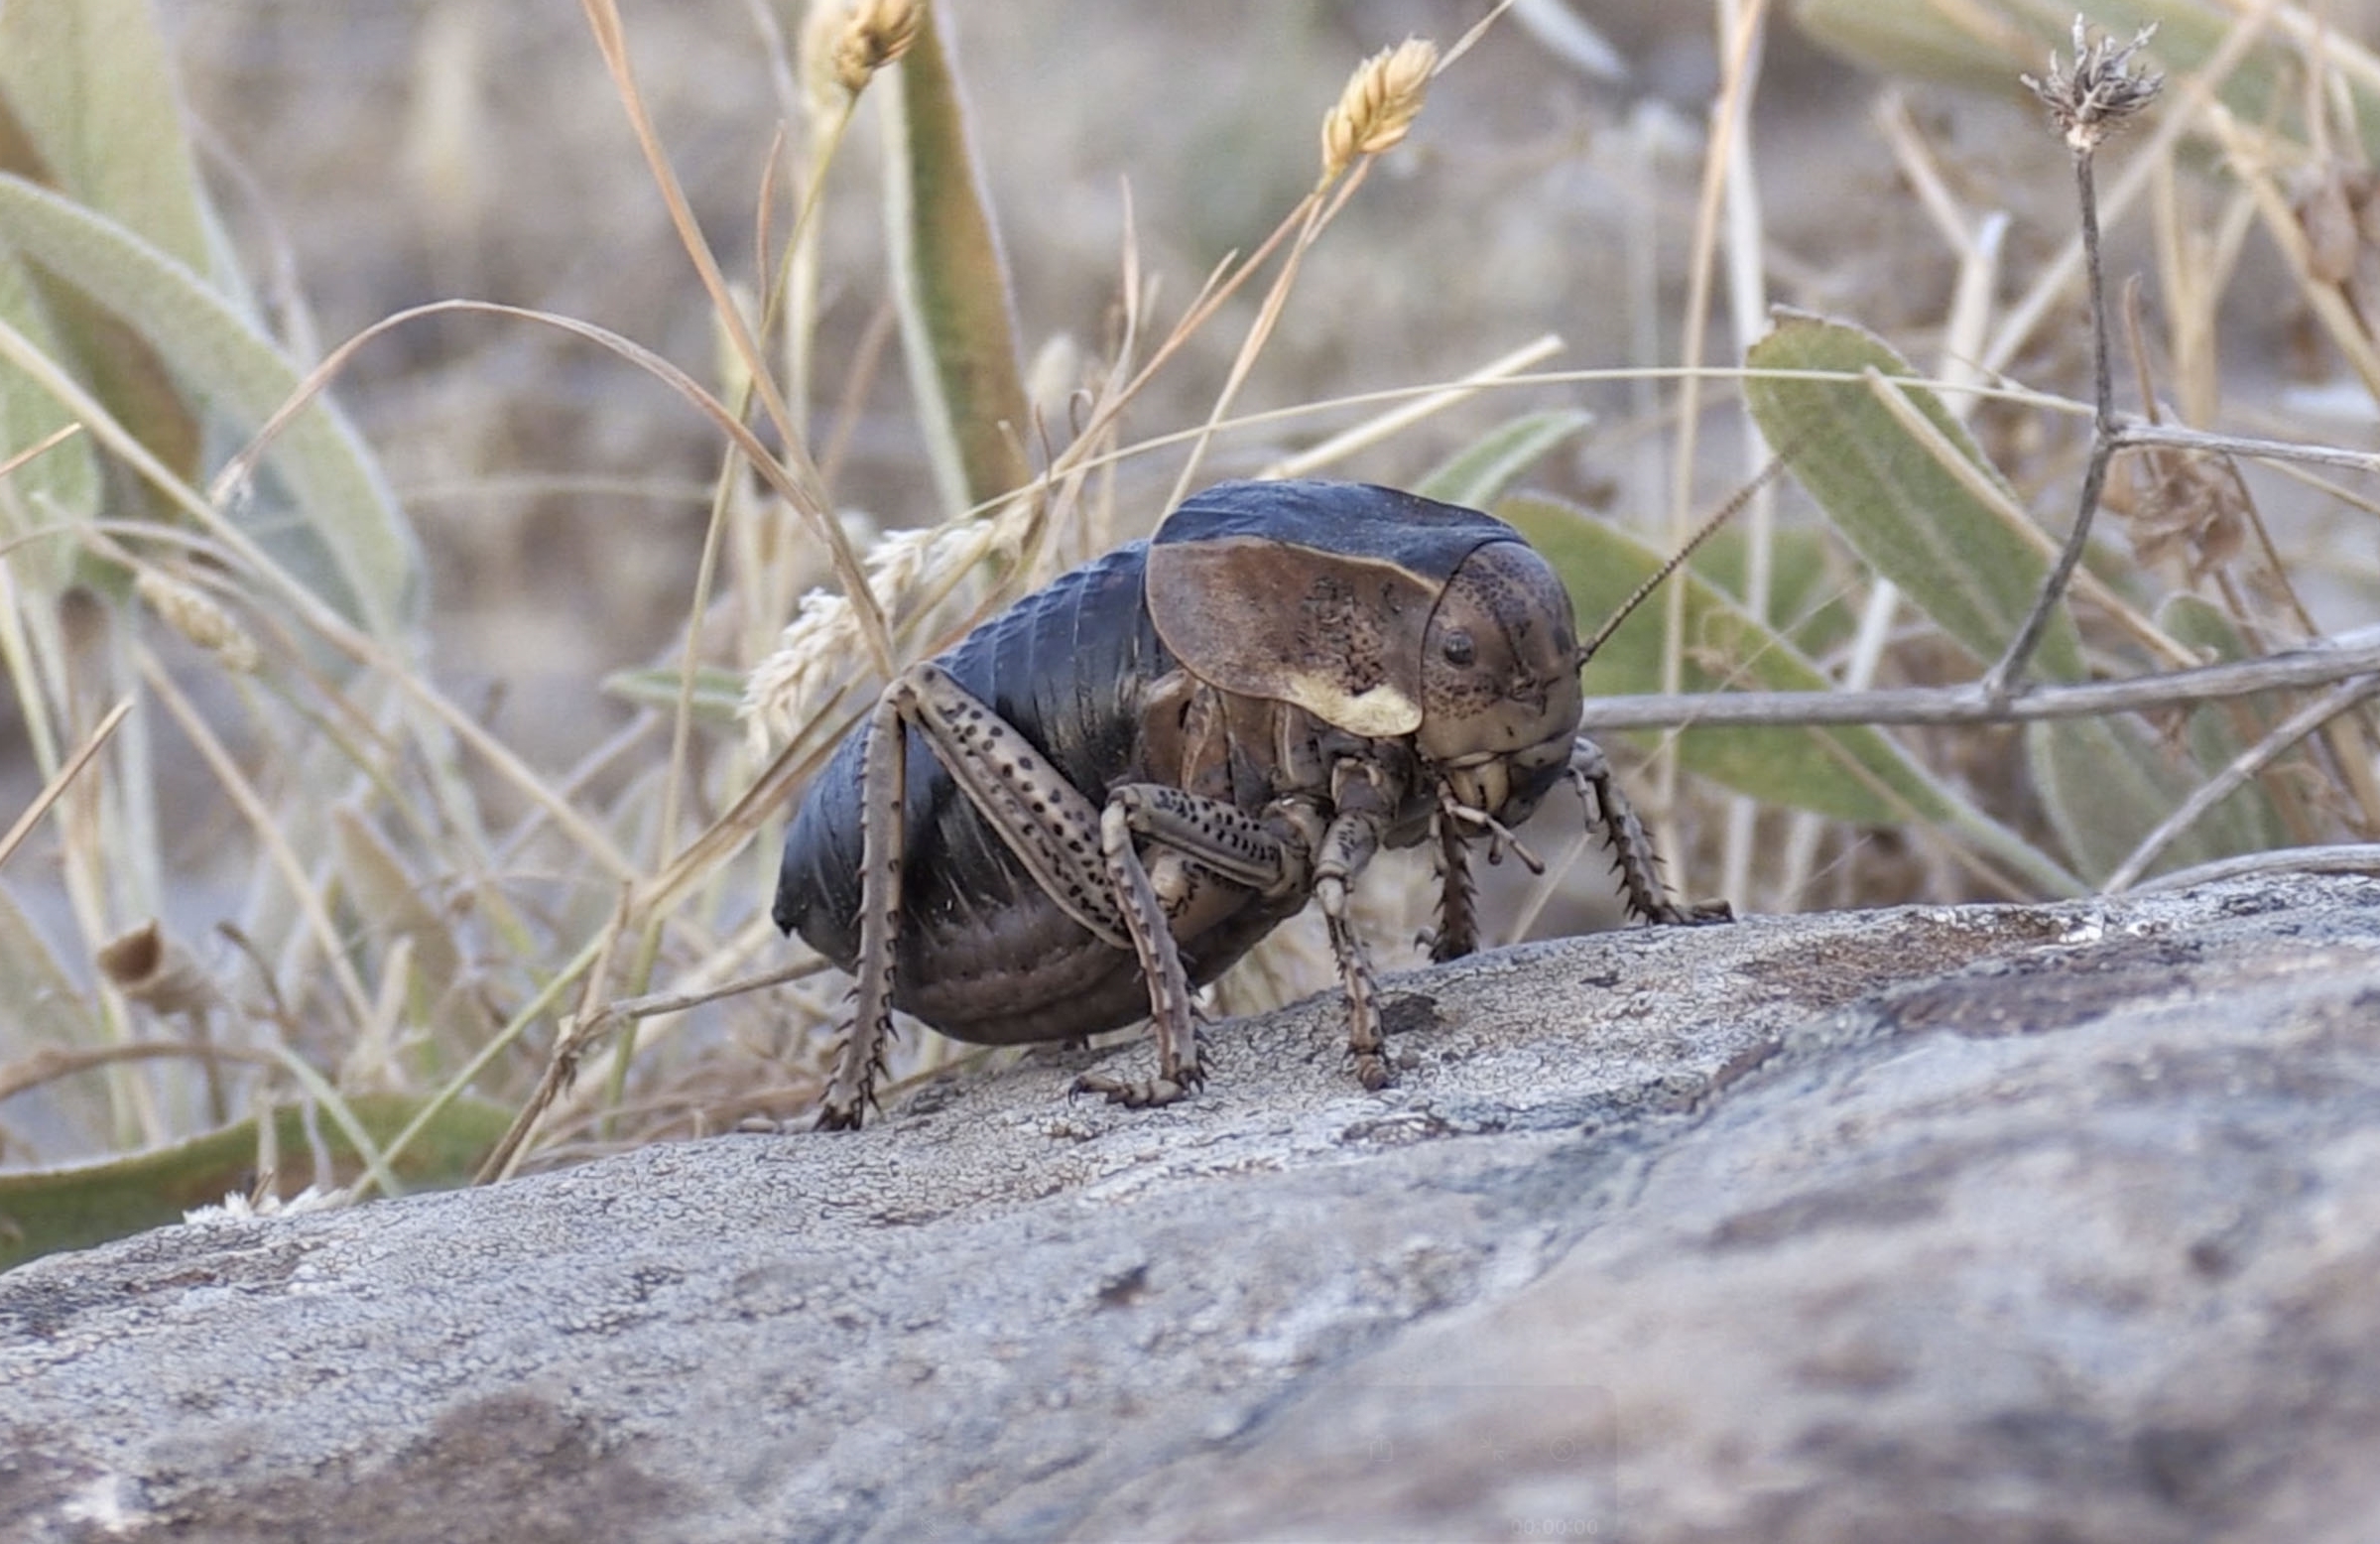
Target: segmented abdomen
{"x":984,"y":955}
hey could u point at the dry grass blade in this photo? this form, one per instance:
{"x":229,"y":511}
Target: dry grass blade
{"x":258,"y":811}
{"x":584,"y":1029}
{"x":39,"y":448}
{"x":57,"y":786}
{"x":2325,"y":665}
{"x":2344,"y":698}
{"x":1372,"y":432}
{"x":796,"y":476}
{"x":48,"y":1066}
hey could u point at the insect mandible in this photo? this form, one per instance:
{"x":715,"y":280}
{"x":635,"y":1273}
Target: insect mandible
{"x":1097,"y":800}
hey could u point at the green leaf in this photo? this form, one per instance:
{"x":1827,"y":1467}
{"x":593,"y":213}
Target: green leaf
{"x":1856,"y":774}
{"x":89,"y":108}
{"x":1479,"y":473}
{"x":62,"y":486}
{"x":43,"y":1210}
{"x":1806,"y":599}
{"x":1928,"y":42}
{"x":89,"y":90}
{"x":950,"y":283}
{"x":349,"y":540}
{"x":2220,"y":731}
{"x":2106,"y":783}
{"x":718,"y":692}
{"x":1922,"y":505}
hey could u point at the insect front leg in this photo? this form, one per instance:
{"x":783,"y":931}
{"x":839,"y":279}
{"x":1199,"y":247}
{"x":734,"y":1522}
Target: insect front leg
{"x":1457,"y":932}
{"x":1632,"y":850}
{"x":1363,"y":805}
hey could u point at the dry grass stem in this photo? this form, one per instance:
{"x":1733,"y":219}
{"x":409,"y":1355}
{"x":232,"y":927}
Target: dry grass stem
{"x":2306,"y":720}
{"x":2087,"y":103}
{"x":797,"y":478}
{"x":62,"y":778}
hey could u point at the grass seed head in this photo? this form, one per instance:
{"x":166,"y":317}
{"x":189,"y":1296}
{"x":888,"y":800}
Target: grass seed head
{"x":197,"y":617}
{"x":1381,"y":100}
{"x":875,"y":33}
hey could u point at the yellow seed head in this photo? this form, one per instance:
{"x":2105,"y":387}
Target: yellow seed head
{"x":1381,"y":100}
{"x":876,"y":33}
{"x":196,"y":615}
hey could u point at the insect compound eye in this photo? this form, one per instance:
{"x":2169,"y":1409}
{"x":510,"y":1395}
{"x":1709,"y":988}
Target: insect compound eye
{"x":1457,"y":649}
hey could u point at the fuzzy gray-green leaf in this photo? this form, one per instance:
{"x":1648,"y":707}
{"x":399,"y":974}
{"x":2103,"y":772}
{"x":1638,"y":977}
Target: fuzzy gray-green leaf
{"x":956,"y":327}
{"x":1856,"y":773}
{"x":43,"y":1210}
{"x":1927,"y":525}
{"x":349,"y":540}
{"x":1477,"y":474}
{"x":718,"y":692}
{"x":88,"y":85}
{"x":2106,"y":783}
{"x":60,"y":486}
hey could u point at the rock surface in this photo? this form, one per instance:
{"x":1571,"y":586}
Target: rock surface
{"x":2053,"y":1222}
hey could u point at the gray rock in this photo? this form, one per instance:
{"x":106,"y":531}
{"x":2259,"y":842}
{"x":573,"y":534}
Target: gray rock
{"x":2055,"y":1222}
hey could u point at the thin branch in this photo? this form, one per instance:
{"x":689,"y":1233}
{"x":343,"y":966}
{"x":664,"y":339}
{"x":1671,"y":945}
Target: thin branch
{"x":2347,"y":857}
{"x":2087,"y":104}
{"x":2137,"y":432}
{"x":2317,"y":666}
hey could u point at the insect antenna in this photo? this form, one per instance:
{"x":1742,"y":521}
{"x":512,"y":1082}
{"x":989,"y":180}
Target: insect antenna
{"x":1726,"y":512}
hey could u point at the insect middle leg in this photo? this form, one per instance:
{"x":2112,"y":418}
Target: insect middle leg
{"x":1362,"y":803}
{"x":1267,"y":858}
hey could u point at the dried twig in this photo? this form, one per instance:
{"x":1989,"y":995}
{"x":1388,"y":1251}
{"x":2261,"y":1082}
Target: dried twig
{"x":2087,"y":103}
{"x":2314,"y":666}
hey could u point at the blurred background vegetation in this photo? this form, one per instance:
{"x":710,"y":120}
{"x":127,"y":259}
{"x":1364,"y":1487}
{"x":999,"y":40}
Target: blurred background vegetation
{"x":352,"y":860}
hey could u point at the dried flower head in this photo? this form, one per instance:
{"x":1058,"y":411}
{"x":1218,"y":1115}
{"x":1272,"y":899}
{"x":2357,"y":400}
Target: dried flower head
{"x":156,"y":973}
{"x":2185,"y":507}
{"x":2091,"y":101}
{"x":197,"y":617}
{"x":1381,"y":100}
{"x":875,"y":33}
{"x":819,"y":647}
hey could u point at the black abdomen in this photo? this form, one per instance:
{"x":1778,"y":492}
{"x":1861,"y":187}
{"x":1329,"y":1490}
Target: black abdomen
{"x":983,"y":953}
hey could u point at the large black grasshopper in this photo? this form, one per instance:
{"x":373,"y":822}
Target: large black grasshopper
{"x":1103,"y":797}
